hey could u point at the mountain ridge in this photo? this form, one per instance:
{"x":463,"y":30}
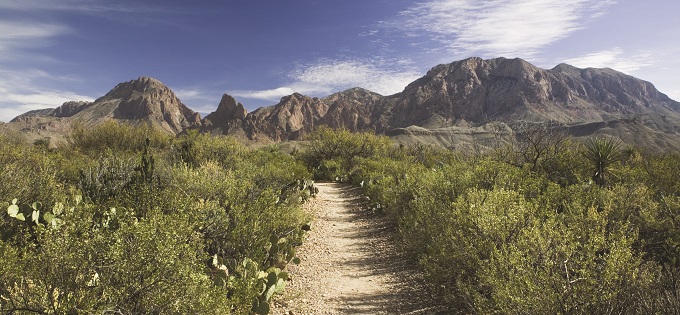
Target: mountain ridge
{"x":463,"y":94}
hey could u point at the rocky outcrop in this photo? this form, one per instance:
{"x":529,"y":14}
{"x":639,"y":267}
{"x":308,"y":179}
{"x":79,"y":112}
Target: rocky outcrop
{"x":141,"y":101}
{"x":148,"y":100}
{"x":479,"y":91}
{"x":227,"y":119}
{"x":67,"y":109}
{"x":71,"y":108}
{"x":350,"y":109}
{"x":293,"y":117}
{"x":450,"y":101}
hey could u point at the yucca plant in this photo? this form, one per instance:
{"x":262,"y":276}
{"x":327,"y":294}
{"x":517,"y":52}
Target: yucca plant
{"x":602,"y":152}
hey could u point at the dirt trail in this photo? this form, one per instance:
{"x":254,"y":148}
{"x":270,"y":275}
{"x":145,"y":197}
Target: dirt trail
{"x":350,"y":264}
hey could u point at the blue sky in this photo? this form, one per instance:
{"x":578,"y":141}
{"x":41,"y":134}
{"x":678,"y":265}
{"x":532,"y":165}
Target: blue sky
{"x":52,"y":51}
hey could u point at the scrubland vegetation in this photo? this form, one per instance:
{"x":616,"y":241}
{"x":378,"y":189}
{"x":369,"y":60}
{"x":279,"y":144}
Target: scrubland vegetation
{"x":546,"y":225}
{"x":113,"y":222}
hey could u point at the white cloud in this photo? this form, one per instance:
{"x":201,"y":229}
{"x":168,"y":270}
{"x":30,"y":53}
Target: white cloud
{"x":329,"y":76}
{"x":497,"y":27}
{"x":16,"y":36}
{"x":198,"y":99}
{"x":21,"y":92}
{"x":23,"y":101}
{"x":269,"y":95}
{"x":84,"y":6}
{"x":614,"y":58}
{"x":674,"y":94}
{"x":188,"y":93}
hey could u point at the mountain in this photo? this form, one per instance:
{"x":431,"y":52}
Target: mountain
{"x":478,"y":91}
{"x":453,"y":104}
{"x":293,"y":117}
{"x":140,"y":101}
{"x":350,"y":109}
{"x":227,"y":119}
{"x":471,"y":102}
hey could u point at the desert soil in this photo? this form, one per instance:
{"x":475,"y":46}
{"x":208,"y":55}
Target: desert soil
{"x":351,"y":264}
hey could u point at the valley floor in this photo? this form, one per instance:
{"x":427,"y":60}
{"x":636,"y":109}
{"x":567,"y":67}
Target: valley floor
{"x":350,"y":264}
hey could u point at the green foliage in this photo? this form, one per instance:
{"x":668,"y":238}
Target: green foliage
{"x":195,"y":148}
{"x":602,"y":153}
{"x":528,"y":232}
{"x":157,"y":231}
{"x":115,"y":136}
{"x":331,"y":154}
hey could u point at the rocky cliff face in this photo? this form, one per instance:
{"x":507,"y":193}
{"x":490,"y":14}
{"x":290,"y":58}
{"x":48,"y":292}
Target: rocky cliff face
{"x":144,"y":100}
{"x":450,"y":100}
{"x":227,"y":119}
{"x":141,"y":101}
{"x":350,"y":109}
{"x":479,"y":91}
{"x":69,"y":109}
{"x":293,"y":117}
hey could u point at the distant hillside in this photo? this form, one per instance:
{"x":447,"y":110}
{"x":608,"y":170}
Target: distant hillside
{"x":450,"y":106}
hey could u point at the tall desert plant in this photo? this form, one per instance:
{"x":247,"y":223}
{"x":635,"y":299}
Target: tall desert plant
{"x":602,"y":153}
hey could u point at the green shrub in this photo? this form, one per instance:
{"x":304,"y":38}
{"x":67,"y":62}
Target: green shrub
{"x":116,"y":136}
{"x":160,"y":229}
{"x":343,"y":148}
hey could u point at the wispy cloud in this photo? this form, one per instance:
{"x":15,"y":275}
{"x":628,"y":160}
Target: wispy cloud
{"x":24,"y":87}
{"x":328,"y":76}
{"x":198,"y":98}
{"x":614,"y":58}
{"x":22,"y":93}
{"x":497,"y":27}
{"x":82,"y":6}
{"x":19,"y":35}
{"x":268,"y":95}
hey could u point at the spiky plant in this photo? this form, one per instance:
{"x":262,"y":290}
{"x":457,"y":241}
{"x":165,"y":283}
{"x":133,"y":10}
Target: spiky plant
{"x":602,"y":152}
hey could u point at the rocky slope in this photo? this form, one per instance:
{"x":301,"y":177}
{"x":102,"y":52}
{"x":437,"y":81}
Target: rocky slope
{"x":141,"y":101}
{"x":478,"y":91}
{"x":227,"y":119}
{"x":451,"y":106}
{"x":144,"y":100}
{"x":293,"y":117}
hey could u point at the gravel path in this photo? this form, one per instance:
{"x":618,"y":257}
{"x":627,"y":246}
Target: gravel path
{"x":350,"y":264}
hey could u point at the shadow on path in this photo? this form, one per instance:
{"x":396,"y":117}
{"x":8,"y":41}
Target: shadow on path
{"x":372,"y":256}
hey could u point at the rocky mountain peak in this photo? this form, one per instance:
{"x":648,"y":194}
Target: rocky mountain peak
{"x":230,"y":108}
{"x":228,"y":116}
{"x":138,"y":86}
{"x":457,"y":96}
{"x":355,"y":93}
{"x":143,"y":100}
{"x":71,"y":108}
{"x":567,"y":69}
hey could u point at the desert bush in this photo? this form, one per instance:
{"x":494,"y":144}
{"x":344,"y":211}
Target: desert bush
{"x":109,"y":261}
{"x":343,"y":148}
{"x":194,"y":148}
{"x":159,"y":230}
{"x":28,"y":173}
{"x":116,"y":136}
{"x":577,"y":229}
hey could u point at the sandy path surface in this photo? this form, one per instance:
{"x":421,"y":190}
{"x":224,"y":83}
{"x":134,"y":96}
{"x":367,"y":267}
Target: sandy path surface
{"x":350,"y":264}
